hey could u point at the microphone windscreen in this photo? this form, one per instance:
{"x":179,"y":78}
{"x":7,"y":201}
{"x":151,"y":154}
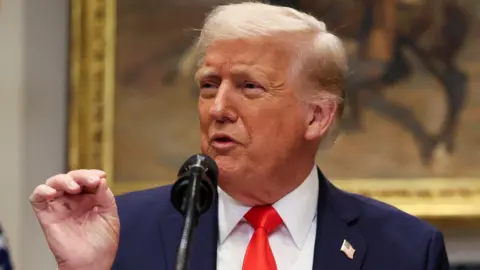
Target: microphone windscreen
{"x":204,"y":161}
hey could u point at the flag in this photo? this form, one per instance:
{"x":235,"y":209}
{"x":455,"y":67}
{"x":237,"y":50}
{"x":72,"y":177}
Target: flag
{"x":347,"y":249}
{"x":5,"y":263}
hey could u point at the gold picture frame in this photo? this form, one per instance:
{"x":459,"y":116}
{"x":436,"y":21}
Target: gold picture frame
{"x":91,"y":125}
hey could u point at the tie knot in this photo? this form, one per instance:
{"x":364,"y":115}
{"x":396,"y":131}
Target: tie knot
{"x":265,"y":217}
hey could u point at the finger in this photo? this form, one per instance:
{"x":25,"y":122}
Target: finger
{"x":64,"y":182}
{"x":88,"y":178}
{"x":41,"y":195}
{"x":100,"y":173}
{"x":104,"y":196}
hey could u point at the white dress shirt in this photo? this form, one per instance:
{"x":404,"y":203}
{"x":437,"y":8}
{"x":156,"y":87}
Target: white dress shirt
{"x":292,"y":245}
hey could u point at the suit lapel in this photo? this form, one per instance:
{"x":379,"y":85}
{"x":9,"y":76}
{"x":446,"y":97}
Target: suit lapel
{"x":336,"y":216}
{"x":203,"y":249}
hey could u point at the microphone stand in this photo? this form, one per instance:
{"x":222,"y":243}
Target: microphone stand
{"x":191,"y":219}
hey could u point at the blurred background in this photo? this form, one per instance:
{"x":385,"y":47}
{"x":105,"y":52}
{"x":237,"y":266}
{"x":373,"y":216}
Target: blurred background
{"x":34,"y":103}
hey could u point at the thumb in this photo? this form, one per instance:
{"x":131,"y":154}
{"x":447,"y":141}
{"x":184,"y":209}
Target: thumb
{"x":104,"y":197}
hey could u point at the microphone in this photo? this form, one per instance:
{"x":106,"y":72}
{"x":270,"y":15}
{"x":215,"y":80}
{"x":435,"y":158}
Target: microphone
{"x":192,"y":195}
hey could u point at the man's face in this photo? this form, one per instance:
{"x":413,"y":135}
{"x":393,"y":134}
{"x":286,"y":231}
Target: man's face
{"x":250,"y":117}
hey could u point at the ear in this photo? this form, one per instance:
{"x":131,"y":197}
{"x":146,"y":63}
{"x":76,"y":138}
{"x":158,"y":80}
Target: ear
{"x":319,"y":119}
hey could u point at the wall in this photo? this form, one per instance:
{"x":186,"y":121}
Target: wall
{"x":33,"y":99}
{"x":33,"y":74}
{"x":11,"y":98}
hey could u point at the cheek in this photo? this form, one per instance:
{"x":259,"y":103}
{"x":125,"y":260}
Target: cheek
{"x":277,"y":129}
{"x":203,"y":114}
{"x":204,"y":124}
{"x":262,"y":128}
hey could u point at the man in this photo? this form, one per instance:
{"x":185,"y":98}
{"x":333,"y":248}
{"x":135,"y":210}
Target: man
{"x":270,"y":82}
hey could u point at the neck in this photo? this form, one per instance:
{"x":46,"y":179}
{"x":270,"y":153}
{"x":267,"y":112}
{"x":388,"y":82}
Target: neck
{"x":289,"y":179}
{"x":276,"y":182}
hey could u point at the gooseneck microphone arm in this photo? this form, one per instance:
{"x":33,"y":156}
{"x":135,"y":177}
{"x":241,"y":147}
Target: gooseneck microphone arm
{"x":191,"y":220}
{"x":192,"y":195}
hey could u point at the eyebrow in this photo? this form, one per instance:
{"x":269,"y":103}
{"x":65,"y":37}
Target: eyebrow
{"x":253,"y":72}
{"x":206,"y":72}
{"x":256,"y":73}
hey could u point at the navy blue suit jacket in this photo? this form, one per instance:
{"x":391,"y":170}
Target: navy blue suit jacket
{"x":384,"y":238}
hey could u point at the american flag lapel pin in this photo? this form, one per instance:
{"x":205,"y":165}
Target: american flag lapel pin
{"x":347,"y":249}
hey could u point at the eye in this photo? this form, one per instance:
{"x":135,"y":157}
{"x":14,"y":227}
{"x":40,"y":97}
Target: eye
{"x":208,"y":89}
{"x":252,"y":86}
{"x":207,"y":85}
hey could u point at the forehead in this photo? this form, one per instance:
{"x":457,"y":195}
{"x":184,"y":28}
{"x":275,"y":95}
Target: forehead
{"x":262,"y":54}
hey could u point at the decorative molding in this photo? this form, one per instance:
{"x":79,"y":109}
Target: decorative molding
{"x":92,"y":84}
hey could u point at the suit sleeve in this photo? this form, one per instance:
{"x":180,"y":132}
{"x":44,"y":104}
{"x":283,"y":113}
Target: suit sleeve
{"x":437,"y":258}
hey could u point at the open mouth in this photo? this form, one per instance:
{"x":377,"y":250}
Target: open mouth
{"x":222,"y":143}
{"x":224,"y":139}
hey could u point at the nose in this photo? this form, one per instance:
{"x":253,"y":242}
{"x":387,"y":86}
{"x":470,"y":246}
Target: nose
{"x":222,"y":108}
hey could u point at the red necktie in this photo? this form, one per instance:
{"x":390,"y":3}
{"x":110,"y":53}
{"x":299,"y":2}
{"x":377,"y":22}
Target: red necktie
{"x":259,"y":256}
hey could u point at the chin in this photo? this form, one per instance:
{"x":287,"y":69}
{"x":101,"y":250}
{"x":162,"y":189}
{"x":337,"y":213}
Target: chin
{"x":226,"y":163}
{"x":228,"y":167}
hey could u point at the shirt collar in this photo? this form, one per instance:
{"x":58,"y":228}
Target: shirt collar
{"x":297,"y":209}
{"x":230,"y":213}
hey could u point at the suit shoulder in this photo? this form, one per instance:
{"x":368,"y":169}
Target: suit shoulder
{"x":380,"y":214}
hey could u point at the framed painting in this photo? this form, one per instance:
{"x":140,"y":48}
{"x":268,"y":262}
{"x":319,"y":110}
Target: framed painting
{"x":411,"y":133}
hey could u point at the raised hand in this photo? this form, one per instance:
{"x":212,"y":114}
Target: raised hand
{"x":78,"y":215}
